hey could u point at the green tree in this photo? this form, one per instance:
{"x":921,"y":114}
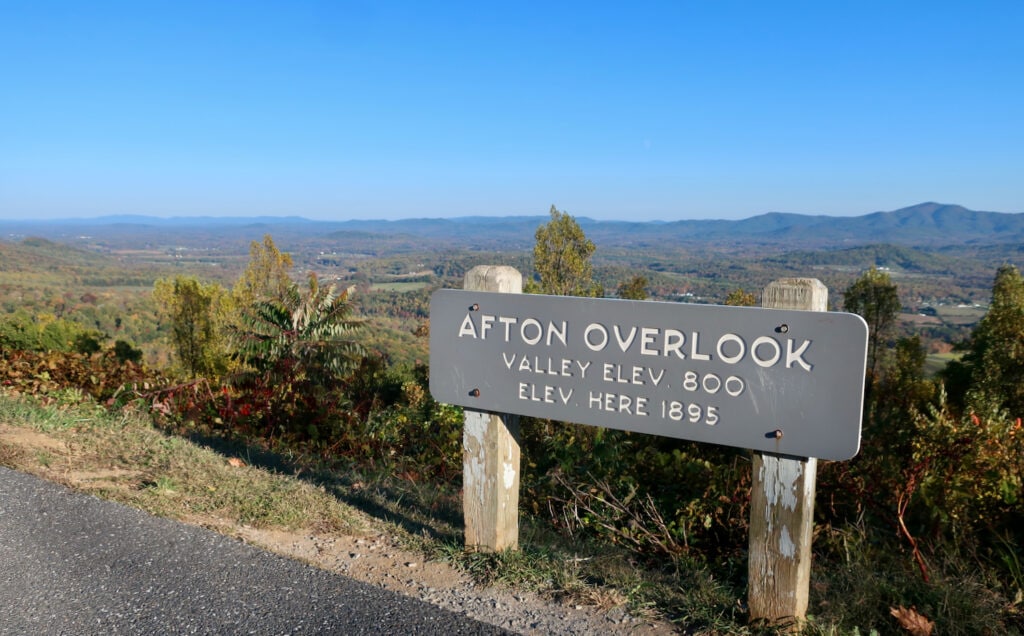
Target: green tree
{"x":873,"y":296}
{"x":903,"y":392}
{"x":561,"y":257}
{"x":996,"y":356}
{"x":634,"y":289}
{"x":741,"y":298}
{"x":125,"y":352}
{"x":266,"y":276}
{"x":22,"y":331}
{"x":198,"y":313}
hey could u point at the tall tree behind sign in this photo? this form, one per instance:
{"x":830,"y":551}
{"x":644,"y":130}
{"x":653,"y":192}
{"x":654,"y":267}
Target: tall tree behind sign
{"x":561,"y":257}
{"x":996,"y":358}
{"x":873,"y":296}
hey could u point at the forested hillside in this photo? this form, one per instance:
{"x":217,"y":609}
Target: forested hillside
{"x":692,"y":261}
{"x":313,"y":346}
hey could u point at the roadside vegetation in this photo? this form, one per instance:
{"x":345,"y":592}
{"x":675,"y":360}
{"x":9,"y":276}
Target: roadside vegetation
{"x":925,"y":526}
{"x":119,"y":455}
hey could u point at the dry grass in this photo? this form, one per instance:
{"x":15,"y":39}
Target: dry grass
{"x":123,"y":458}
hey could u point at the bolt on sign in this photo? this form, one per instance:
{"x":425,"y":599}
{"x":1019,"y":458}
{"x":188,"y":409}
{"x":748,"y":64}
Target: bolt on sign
{"x":771,"y":380}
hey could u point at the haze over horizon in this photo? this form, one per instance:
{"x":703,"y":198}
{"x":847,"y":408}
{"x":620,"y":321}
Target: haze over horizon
{"x":360,"y":110}
{"x":917,"y":209}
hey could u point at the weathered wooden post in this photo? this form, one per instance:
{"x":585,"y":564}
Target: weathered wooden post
{"x":490,"y":448}
{"x":782,"y":499}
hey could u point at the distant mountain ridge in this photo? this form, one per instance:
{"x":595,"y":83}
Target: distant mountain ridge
{"x":926,"y":225}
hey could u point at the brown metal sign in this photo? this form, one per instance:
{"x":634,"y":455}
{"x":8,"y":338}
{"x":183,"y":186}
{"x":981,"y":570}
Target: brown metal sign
{"x":778,"y":381}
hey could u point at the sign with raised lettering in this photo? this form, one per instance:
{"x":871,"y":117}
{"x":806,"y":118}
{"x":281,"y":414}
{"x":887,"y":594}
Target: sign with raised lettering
{"x":778,"y":381}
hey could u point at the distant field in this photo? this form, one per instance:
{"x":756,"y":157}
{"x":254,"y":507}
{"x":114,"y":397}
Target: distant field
{"x":955,"y":315}
{"x":936,"y":362}
{"x":398,"y":287}
{"x":918,"y":319}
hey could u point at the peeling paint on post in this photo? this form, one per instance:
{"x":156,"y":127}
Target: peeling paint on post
{"x":490,"y":449}
{"x":782,"y":501}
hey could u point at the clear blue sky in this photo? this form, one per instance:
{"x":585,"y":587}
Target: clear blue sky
{"x":624,"y":110}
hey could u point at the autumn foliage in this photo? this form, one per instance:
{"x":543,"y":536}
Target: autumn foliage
{"x":287,"y":366}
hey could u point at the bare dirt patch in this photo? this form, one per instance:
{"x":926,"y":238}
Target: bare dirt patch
{"x":100,"y":478}
{"x":29,"y":440}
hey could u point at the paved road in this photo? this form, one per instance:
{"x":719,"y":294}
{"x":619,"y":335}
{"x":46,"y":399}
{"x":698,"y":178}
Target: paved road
{"x":73,"y":564}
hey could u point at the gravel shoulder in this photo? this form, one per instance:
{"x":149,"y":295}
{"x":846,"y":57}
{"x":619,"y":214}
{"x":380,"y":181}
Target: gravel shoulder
{"x":377,"y":559}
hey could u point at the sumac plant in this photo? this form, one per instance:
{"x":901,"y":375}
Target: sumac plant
{"x":297,"y":352}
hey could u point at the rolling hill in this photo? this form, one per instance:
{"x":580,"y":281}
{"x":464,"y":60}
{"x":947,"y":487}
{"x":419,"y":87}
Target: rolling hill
{"x":930,"y":225}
